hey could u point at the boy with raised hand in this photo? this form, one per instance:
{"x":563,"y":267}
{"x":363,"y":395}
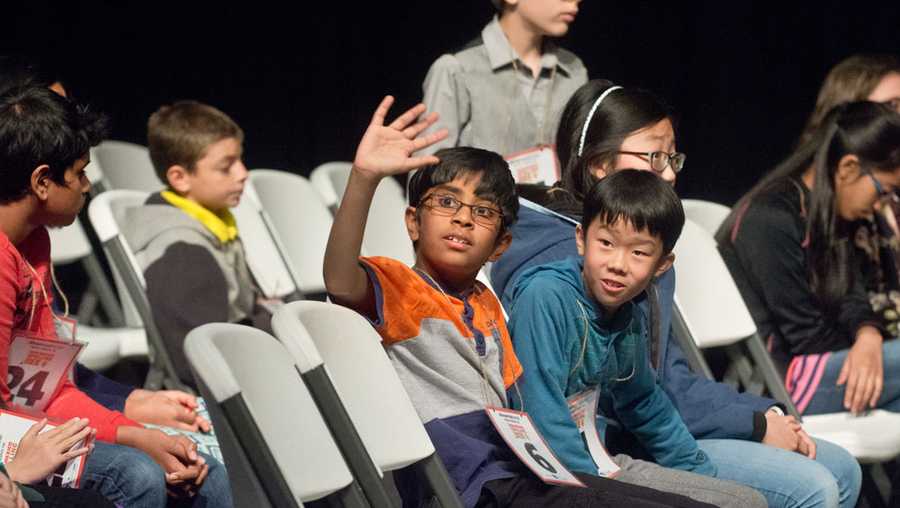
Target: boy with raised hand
{"x":578,"y":331}
{"x":185,"y":238}
{"x":44,"y":144}
{"x":444,"y":331}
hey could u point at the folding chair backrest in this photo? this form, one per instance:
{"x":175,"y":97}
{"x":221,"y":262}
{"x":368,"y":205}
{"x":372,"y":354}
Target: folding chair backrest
{"x":258,"y":390}
{"x":373,"y":396}
{"x":330,"y":180}
{"x":706,"y":294}
{"x":262,"y":247}
{"x":385,"y":228}
{"x":69,"y":244}
{"x":126,"y":166}
{"x":301,"y":221}
{"x":706,"y":214}
{"x":107,"y":212}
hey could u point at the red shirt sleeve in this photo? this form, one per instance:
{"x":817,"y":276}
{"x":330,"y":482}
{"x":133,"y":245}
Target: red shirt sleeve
{"x":15,"y":309}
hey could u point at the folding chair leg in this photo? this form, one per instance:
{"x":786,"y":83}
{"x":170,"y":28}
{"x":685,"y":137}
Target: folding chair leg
{"x":770,"y":374}
{"x":154,"y":379}
{"x":439,"y":481}
{"x":104,"y":291}
{"x":352,"y":496}
{"x":870,"y":491}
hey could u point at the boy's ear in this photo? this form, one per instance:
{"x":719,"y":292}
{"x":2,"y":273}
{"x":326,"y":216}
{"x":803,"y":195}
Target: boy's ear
{"x":412,"y":223}
{"x":500,"y":246}
{"x":579,"y":239}
{"x":665,"y":263}
{"x":177,"y":176}
{"x":40,"y":182}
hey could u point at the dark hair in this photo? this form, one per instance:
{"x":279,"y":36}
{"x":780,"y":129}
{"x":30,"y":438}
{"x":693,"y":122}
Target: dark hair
{"x":17,"y":71}
{"x":37,"y":127}
{"x":180,"y":133}
{"x":640,"y":198}
{"x":621,"y":113}
{"x":496,"y":183}
{"x":853,"y":79}
{"x":869,"y":130}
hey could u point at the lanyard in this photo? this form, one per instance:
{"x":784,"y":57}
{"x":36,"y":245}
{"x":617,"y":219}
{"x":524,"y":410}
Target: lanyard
{"x":44,"y":294}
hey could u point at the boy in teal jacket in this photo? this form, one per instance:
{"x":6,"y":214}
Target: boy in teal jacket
{"x":575,"y":328}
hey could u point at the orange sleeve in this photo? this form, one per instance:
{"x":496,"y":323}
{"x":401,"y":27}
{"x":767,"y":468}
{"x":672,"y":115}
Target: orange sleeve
{"x":398,"y":315}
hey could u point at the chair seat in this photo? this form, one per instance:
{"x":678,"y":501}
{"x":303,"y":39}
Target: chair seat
{"x":871,"y":438}
{"x":132,"y":342}
{"x":102,"y":351}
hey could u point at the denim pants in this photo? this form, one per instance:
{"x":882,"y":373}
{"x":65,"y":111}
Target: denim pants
{"x":129,"y":477}
{"x":788,"y":479}
{"x":829,"y":398}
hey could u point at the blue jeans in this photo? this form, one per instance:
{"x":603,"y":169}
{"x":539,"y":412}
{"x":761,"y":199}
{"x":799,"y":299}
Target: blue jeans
{"x":129,"y":477}
{"x":829,"y":398}
{"x":788,"y":479}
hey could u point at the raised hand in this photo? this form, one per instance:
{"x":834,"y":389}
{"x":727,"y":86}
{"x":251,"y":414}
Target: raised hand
{"x":387,"y":149}
{"x":41,"y":453}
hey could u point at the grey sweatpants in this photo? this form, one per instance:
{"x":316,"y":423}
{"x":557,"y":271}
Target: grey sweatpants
{"x":701,"y":488}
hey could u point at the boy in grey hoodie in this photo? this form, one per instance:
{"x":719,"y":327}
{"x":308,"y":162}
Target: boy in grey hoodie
{"x":185,"y":238}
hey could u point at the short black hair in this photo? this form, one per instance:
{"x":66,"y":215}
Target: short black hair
{"x":38,"y":126}
{"x":496,"y":183}
{"x":639,"y":197}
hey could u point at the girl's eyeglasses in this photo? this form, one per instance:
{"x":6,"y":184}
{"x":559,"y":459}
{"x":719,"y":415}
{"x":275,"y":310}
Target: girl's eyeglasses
{"x":660,"y":160}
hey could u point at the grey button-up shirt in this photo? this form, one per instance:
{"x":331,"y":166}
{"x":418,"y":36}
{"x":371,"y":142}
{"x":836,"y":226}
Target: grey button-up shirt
{"x":487,"y":101}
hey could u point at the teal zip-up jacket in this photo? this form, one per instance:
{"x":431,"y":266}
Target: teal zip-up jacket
{"x":559,"y":360}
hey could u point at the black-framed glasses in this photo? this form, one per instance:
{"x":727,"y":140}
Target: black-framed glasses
{"x":448,"y":206}
{"x":883,"y":194}
{"x":660,"y":160}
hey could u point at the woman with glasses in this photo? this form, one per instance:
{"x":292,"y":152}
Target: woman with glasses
{"x":605,"y":128}
{"x":789,"y":245}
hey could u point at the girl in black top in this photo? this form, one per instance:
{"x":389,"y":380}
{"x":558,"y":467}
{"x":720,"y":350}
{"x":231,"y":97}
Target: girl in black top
{"x":787,"y":245}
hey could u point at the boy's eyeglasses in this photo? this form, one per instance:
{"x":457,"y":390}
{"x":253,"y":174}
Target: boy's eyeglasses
{"x":448,"y":206}
{"x":660,"y":160}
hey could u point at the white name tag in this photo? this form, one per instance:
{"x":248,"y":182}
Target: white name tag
{"x":534,"y":165}
{"x":37,"y":368}
{"x":524,"y":439}
{"x":583,"y":407}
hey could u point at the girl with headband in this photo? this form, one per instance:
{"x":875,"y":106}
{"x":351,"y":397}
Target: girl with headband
{"x":605,"y":128}
{"x":787,"y":244}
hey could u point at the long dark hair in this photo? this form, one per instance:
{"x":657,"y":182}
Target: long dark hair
{"x":620,"y":114}
{"x":868,"y":130}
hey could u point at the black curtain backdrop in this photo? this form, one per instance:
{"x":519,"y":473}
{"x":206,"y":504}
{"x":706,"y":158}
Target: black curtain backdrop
{"x":303,"y":78}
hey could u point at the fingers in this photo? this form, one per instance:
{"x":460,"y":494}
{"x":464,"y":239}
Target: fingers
{"x":808,"y":446}
{"x":185,"y":399}
{"x":402,"y":121}
{"x":419,"y":162}
{"x":204,"y":472}
{"x":414,"y":130}
{"x":382,"y":110}
{"x":850,"y":390}
{"x":35,"y":429}
{"x":71,"y":441}
{"x":845,"y":373}
{"x":203,"y":424}
{"x":434,"y":137}
{"x":76,"y":452}
{"x":876,"y":393}
{"x":865,"y":395}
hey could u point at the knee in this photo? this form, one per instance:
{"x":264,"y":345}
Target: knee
{"x":751,"y":498}
{"x":140,"y":479}
{"x":216,"y":490}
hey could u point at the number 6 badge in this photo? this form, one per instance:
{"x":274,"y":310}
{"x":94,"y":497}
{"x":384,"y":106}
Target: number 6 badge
{"x":521,"y":435}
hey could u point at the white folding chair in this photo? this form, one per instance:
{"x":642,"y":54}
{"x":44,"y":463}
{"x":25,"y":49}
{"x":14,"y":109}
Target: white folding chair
{"x":106,"y":212}
{"x":275,"y":432}
{"x":125,"y":166}
{"x":301,"y":222}
{"x":329,"y":343}
{"x":264,"y":251}
{"x":714,"y":314}
{"x":385,"y":233}
{"x":706,"y":214}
